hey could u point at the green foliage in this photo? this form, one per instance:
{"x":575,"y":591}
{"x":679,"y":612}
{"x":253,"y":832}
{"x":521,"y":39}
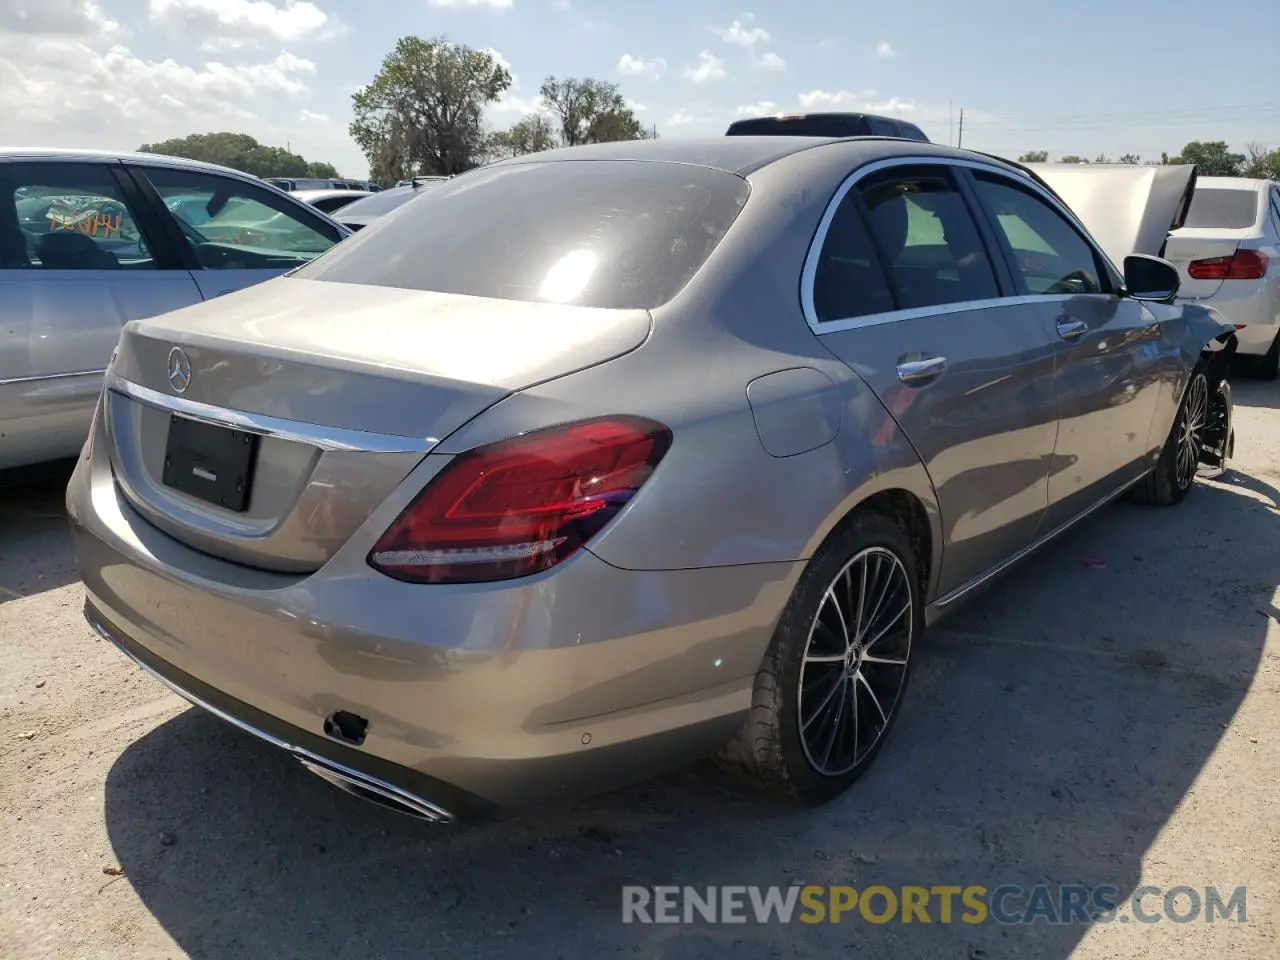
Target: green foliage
{"x":1212,"y":158}
{"x":590,"y":111}
{"x":533,"y":134}
{"x":424,"y":111}
{"x":1262,"y":163}
{"x":1034,"y":156}
{"x":1131,"y":158}
{"x":240,"y":152}
{"x":1072,"y":158}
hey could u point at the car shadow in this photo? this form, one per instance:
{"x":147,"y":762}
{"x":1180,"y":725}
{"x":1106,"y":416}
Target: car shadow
{"x":1052,"y":729}
{"x":35,"y":541}
{"x":1251,"y":392}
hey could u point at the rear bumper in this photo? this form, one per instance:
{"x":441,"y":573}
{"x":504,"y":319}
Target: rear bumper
{"x":508,"y":695}
{"x":1250,"y":306}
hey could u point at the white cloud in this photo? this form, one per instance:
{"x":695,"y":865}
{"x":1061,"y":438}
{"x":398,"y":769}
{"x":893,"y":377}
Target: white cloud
{"x":859,"y":101}
{"x":55,"y":18}
{"x":710,"y":68}
{"x":769,"y":61}
{"x":684,"y":117}
{"x":764,"y":108}
{"x":884,"y":49}
{"x":230,"y":24}
{"x":561,"y":4}
{"x":636,"y":107}
{"x":630,"y":66}
{"x":742,"y":35}
{"x":310,"y":116}
{"x":500,"y":4}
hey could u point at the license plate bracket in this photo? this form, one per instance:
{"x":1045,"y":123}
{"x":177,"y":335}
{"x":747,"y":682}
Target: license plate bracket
{"x":210,"y":462}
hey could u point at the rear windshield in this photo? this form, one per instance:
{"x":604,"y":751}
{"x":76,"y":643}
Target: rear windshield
{"x":1229,"y":209}
{"x":617,"y":234}
{"x":381,"y":203}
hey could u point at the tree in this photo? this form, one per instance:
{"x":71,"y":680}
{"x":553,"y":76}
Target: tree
{"x":1213,"y":159}
{"x":239,"y":151}
{"x":1034,"y":156}
{"x":1262,"y":163}
{"x":1131,"y":158}
{"x":424,"y":111}
{"x":1101,"y":158}
{"x":1072,"y":158}
{"x":590,"y":111}
{"x":533,"y":134}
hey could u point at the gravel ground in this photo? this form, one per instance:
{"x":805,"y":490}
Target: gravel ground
{"x":1075,"y":724}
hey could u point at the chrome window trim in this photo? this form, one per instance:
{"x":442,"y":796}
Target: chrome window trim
{"x":810,"y":270}
{"x":316,"y":435}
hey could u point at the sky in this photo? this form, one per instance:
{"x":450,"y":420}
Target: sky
{"x":1087,"y":77}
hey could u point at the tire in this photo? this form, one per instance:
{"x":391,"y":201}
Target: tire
{"x":1170,"y":481}
{"x":775,"y":750}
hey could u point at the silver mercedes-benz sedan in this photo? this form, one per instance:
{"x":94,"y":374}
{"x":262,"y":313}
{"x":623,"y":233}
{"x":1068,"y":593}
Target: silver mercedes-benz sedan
{"x":91,"y":240}
{"x":597,"y":461}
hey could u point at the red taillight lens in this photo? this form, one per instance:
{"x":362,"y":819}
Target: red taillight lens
{"x":1242,"y":265}
{"x":523,"y":505}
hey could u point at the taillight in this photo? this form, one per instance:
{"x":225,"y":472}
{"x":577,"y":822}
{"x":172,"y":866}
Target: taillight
{"x":1242,"y":265}
{"x":521,"y":506}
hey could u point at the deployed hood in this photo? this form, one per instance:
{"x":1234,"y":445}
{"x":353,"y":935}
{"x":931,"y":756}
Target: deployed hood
{"x":1127,"y":208}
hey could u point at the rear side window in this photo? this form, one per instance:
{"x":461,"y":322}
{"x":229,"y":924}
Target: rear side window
{"x":1223,"y":208}
{"x":932,"y":250}
{"x":849,"y":281}
{"x":616,"y":234}
{"x":383,"y":202}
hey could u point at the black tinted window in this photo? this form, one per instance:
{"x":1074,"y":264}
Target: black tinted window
{"x":620,"y":234}
{"x":932,"y":249}
{"x":849,"y":281}
{"x":1229,"y":209}
{"x":382,"y":202}
{"x":1049,"y":255}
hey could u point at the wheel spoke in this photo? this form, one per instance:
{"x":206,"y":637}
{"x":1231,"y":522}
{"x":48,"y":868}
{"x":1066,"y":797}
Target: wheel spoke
{"x":821,"y":708}
{"x":887,"y":627}
{"x":844,"y":626}
{"x":884,"y":717}
{"x":887,"y":661}
{"x":836,"y":724}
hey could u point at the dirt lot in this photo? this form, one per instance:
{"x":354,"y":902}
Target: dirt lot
{"x":1106,"y":726}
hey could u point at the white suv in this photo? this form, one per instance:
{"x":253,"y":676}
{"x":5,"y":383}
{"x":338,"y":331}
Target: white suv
{"x":1228,"y":252}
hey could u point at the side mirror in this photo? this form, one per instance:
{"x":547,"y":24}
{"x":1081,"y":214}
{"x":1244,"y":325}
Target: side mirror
{"x":1150,"y":278}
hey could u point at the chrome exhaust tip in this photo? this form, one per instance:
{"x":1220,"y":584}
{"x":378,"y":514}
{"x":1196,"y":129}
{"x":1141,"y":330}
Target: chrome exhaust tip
{"x":377,"y":791}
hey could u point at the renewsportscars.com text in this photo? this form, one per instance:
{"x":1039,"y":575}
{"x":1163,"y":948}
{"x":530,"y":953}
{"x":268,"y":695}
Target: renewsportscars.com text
{"x":973,"y":904}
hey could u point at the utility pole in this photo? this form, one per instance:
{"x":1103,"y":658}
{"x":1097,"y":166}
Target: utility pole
{"x":951,"y":127}
{"x":960,"y":139}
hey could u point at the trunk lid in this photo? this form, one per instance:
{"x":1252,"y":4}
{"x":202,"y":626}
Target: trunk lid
{"x":337,"y":391}
{"x":1127,"y":208}
{"x":1202,"y":243}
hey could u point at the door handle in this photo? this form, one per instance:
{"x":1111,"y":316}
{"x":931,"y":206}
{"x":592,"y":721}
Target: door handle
{"x":1071,"y":329}
{"x":916,"y":372}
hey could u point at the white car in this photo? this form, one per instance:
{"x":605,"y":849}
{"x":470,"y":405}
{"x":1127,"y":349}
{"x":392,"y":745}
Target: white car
{"x":328,"y":201}
{"x":1226,"y":244}
{"x":1228,"y":252}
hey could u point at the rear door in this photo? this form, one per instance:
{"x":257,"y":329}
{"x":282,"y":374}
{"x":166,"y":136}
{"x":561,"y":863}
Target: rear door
{"x":235,"y":233}
{"x":80,"y":256}
{"x":1108,"y":360}
{"x":902,"y":286}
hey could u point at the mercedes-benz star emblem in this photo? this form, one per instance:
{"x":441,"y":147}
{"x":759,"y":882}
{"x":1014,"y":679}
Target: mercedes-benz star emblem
{"x":179,"y":370}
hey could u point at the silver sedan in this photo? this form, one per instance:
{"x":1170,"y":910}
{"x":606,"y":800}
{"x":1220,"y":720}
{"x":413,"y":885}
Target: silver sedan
{"x":594,"y":462}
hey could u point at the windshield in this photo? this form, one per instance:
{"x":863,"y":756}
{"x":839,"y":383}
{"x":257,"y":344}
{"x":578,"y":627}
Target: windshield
{"x":617,"y":234}
{"x":1223,"y":208}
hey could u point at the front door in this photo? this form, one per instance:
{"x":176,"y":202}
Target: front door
{"x":968,"y":374}
{"x":1108,"y":361}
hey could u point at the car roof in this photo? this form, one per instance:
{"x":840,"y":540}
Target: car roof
{"x":107,"y":156}
{"x":307,"y":195}
{"x":745,"y":155}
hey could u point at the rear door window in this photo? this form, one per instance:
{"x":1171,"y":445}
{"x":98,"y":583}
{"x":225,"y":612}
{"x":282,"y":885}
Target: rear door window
{"x":68,"y":216}
{"x":620,"y":234}
{"x":849,"y":280}
{"x":1223,"y":208}
{"x":930,"y":244}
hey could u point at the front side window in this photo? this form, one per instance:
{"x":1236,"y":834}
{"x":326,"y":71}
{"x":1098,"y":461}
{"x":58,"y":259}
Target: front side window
{"x":231,"y":224}
{"x":1049,"y":254}
{"x":67,"y":216}
{"x":604,"y":233}
{"x":932,"y":250}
